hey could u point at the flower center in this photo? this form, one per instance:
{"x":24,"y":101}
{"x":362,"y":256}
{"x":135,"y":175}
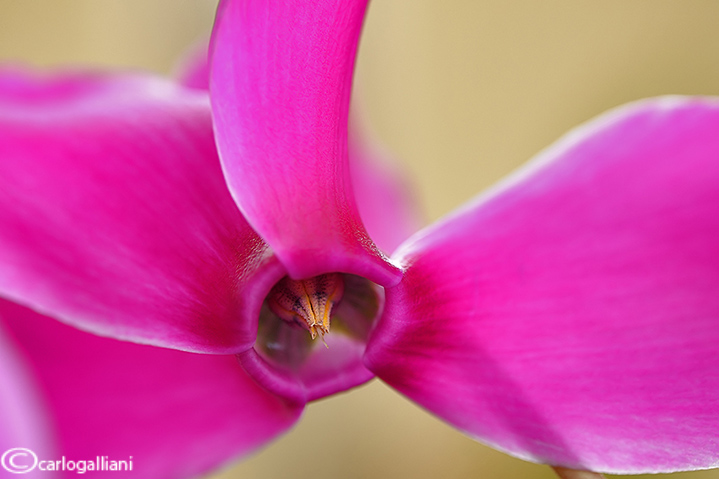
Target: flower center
{"x":350,"y":303}
{"x":307,"y":302}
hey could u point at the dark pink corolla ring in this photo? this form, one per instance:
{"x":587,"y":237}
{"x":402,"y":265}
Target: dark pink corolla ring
{"x":568,"y":316}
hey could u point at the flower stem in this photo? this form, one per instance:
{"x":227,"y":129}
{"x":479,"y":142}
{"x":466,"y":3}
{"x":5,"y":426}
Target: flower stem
{"x":573,"y":474}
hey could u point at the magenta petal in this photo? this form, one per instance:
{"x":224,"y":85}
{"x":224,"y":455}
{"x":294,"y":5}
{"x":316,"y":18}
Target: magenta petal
{"x":193,"y":70}
{"x":571,"y":316}
{"x":280,"y":86}
{"x":177,"y":414}
{"x":115,"y":217}
{"x":24,"y":422}
{"x":385,"y":201}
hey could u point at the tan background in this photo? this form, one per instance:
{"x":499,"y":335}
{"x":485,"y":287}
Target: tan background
{"x":462,"y":91}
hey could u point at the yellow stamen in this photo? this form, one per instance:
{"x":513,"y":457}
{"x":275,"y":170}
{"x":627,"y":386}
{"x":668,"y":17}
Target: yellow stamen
{"x":307,"y":302}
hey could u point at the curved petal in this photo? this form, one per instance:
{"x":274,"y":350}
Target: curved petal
{"x":571,"y":316}
{"x":385,"y":201}
{"x":280,"y":85}
{"x":24,"y":421}
{"x":193,"y":70}
{"x":384,"y":198}
{"x":175,"y":414}
{"x":114,"y":214}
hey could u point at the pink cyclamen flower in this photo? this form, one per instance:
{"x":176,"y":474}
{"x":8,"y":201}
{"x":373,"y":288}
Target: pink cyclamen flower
{"x":568,"y":316}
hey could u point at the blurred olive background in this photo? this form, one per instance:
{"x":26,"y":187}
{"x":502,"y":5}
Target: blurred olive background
{"x":462,"y":92}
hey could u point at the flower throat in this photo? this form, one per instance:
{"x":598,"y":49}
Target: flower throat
{"x":307,"y":302}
